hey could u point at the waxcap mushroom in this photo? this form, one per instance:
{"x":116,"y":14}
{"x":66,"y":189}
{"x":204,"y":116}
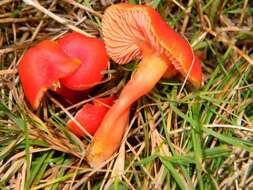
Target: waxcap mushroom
{"x":129,"y":29}
{"x":41,"y":68}
{"x":139,"y":32}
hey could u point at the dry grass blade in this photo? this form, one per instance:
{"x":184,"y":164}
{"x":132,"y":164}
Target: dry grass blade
{"x":76,"y":4}
{"x":229,"y":43}
{"x":17,"y":20}
{"x":70,"y":116}
{"x":36,"y":4}
{"x":186,"y":18}
{"x":118,"y":168}
{"x":3,"y":2}
{"x":8,"y":72}
{"x":12,"y":170}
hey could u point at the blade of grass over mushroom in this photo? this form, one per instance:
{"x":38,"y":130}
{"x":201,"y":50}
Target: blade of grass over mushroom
{"x":55,"y":119}
{"x":68,"y":114}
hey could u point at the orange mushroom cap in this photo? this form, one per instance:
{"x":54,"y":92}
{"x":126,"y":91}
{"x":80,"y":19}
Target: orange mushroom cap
{"x":41,"y":68}
{"x":127,"y":28}
{"x":90,"y":116}
{"x":93,"y":56}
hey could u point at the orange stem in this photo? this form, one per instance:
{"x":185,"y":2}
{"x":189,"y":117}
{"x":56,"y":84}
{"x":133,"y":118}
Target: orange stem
{"x":150,"y":70}
{"x":105,"y":142}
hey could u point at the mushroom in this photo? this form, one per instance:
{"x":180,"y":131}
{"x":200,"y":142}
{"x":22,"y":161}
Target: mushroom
{"x":41,"y":68}
{"x":90,"y":116}
{"x":93,"y":56}
{"x":75,"y":62}
{"x":139,"y":32}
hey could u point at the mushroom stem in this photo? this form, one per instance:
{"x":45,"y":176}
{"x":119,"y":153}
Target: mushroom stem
{"x":106,"y":142}
{"x":150,"y":70}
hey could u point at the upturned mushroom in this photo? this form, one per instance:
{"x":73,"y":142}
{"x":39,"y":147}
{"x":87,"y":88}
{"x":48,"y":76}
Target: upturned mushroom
{"x":93,"y":56}
{"x":42,"y":67}
{"x":139,"y":32}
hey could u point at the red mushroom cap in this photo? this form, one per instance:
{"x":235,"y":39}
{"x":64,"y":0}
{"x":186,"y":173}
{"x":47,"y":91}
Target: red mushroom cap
{"x":90,"y":116}
{"x":93,"y":56}
{"x":127,"y":28}
{"x":41,"y":68}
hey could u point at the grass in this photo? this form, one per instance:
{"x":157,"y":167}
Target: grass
{"x":178,"y":138}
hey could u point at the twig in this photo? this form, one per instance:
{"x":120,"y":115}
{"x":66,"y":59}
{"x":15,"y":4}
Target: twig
{"x":18,"y":20}
{"x":5,"y":2}
{"x":15,"y":47}
{"x":76,"y":4}
{"x":229,"y":126}
{"x":36,"y":31}
{"x":187,"y":16}
{"x":179,"y":5}
{"x":244,"y":10}
{"x":222,"y":39}
{"x":8,"y":71}
{"x":200,"y":11}
{"x":55,"y":17}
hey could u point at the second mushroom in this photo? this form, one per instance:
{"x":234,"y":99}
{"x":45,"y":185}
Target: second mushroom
{"x":139,"y":32}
